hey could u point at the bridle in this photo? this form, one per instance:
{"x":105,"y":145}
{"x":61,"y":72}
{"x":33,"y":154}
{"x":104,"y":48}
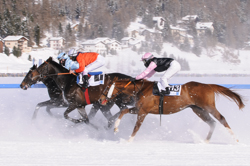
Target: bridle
{"x":48,"y":75}
{"x":119,"y":91}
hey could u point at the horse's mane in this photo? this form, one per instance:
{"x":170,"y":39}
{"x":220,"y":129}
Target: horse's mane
{"x":57,"y":65}
{"x":33,"y":67}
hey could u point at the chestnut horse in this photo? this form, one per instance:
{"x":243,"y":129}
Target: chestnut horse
{"x":73,"y":93}
{"x":197,"y":96}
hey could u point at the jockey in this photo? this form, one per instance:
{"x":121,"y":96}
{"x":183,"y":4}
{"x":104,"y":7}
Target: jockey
{"x":153,"y":64}
{"x":85,"y":63}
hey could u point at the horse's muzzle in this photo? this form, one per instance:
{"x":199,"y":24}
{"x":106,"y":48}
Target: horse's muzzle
{"x":103,"y":102}
{"x":24,"y":87}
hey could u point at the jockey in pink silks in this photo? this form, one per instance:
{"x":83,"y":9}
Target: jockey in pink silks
{"x":167,"y":65}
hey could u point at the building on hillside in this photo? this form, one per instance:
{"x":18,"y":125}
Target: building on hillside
{"x":176,"y":31}
{"x":180,"y":35}
{"x":102,"y":45}
{"x":131,"y":42}
{"x":126,"y":41}
{"x":74,"y":27}
{"x":1,"y":45}
{"x":190,"y":18}
{"x":105,"y":40}
{"x":201,"y":27}
{"x":114,"y":45}
{"x":20,"y":42}
{"x":95,"y":46}
{"x":159,"y":22}
{"x":187,"y":37}
{"x":151,"y":34}
{"x":57,"y":43}
{"x":136,"y":43}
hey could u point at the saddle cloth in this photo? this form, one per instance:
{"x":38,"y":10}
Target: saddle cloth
{"x":96,"y":78}
{"x":175,"y":90}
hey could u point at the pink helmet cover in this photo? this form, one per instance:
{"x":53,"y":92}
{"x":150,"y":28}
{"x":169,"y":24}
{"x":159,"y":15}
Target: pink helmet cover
{"x":148,"y":55}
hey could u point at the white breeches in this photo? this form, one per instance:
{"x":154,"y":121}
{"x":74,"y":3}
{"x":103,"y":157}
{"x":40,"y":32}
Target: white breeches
{"x":99,"y":62}
{"x":173,"y":69}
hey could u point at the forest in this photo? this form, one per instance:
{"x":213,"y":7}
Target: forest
{"x":110,"y":18}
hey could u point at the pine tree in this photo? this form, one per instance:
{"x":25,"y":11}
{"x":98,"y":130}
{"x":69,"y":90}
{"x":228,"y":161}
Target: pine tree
{"x":6,"y":50}
{"x":37,"y":35}
{"x":60,"y":29}
{"x":29,"y":58}
{"x":80,"y":32}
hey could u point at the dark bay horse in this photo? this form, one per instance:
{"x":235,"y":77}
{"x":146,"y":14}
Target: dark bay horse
{"x":197,"y":96}
{"x":56,"y":97}
{"x":57,"y":100}
{"x":73,"y":93}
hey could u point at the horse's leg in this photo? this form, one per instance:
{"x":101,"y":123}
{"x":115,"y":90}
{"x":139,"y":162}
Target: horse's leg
{"x":106,"y":110}
{"x":38,"y":106}
{"x":93,"y":110}
{"x":140,"y":118}
{"x":213,"y":110}
{"x":85,"y":118}
{"x":204,"y":115}
{"x":122,"y":107}
{"x":84,"y":115}
{"x":133,"y":110}
{"x":66,"y":114}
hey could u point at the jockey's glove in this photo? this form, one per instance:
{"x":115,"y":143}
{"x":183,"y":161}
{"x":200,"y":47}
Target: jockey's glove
{"x":132,"y":79}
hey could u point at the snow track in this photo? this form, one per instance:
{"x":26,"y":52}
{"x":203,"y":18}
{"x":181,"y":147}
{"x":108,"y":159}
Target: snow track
{"x":53,"y":141}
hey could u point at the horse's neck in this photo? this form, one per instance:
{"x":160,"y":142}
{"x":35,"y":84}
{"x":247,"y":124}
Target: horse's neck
{"x":62,"y":81}
{"x":140,"y":87}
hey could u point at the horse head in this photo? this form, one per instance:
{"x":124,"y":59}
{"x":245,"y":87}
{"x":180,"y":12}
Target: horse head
{"x":28,"y":79}
{"x":35,"y":74}
{"x":114,"y":89}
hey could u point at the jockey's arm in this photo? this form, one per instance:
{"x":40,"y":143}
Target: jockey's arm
{"x":148,"y":72}
{"x":71,"y":65}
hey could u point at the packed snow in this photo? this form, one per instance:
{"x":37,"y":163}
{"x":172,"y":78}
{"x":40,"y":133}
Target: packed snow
{"x":178,"y":141}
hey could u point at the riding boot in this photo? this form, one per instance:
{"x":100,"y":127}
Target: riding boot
{"x":166,"y":91}
{"x":85,"y":80}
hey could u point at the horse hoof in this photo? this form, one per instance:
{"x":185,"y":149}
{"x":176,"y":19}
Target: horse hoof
{"x":116,"y":130}
{"x":206,"y":141}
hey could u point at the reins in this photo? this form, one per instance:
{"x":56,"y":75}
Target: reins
{"x":120,"y":90}
{"x":48,"y":75}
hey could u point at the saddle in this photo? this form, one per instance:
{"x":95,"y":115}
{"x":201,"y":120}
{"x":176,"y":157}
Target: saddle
{"x":95,"y":78}
{"x":175,"y":90}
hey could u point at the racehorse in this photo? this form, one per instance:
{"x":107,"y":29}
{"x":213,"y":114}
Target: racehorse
{"x":55,"y":94}
{"x":56,"y":97}
{"x":73,"y":93}
{"x":197,"y":96}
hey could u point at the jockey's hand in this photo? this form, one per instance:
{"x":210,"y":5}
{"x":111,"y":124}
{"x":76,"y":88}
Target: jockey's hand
{"x":71,"y":71}
{"x":132,"y":79}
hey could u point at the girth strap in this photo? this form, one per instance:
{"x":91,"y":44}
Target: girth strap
{"x":161,"y":106}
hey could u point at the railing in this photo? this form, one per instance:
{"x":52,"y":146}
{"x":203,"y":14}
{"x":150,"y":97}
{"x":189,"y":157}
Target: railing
{"x":232,"y":86}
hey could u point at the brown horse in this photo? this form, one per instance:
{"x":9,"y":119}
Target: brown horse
{"x":197,"y":96}
{"x":73,"y":93}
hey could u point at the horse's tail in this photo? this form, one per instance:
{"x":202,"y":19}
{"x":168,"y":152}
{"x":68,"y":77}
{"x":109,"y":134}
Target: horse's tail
{"x":229,"y":94}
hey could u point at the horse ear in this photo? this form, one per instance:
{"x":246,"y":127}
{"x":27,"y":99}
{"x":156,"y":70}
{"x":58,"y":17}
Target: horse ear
{"x":49,"y":59}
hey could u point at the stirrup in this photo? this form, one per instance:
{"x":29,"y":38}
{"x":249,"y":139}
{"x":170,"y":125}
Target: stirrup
{"x":166,"y":91}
